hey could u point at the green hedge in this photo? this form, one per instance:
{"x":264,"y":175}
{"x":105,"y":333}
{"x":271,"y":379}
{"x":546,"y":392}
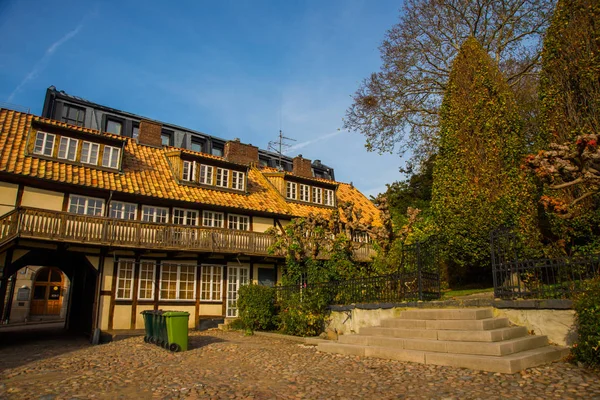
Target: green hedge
{"x":587,"y":309}
{"x":256,"y":306}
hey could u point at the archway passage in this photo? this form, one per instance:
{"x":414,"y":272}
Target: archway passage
{"x":82,"y":276}
{"x":48,"y":292}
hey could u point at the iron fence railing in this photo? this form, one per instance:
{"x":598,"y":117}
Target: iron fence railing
{"x":418,"y":278}
{"x":545,"y":278}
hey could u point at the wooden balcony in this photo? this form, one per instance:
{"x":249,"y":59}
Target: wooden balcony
{"x":33,"y":223}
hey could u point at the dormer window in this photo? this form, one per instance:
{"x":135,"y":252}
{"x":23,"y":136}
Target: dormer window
{"x":113,"y":126}
{"x":222,"y":177}
{"x":89,"y":153}
{"x":189,"y":171}
{"x":196,"y":145}
{"x":237,"y":180}
{"x":67,"y":149}
{"x":291,"y":190}
{"x":44,"y":144}
{"x":110,"y":157}
{"x":317,"y":195}
{"x":206,"y":174}
{"x":304,"y":192}
{"x":329,"y":198}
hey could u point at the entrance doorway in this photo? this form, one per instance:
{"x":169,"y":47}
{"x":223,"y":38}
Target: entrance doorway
{"x":47,"y":292}
{"x":236,"y":277}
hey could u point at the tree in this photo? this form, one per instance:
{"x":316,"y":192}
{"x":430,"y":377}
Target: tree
{"x":398,"y":107}
{"x":477,"y":182}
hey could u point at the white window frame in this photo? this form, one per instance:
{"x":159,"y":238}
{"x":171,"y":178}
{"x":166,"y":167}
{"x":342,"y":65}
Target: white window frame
{"x":304,"y":192}
{"x":178,"y":281}
{"x":236,"y":221}
{"x":120,"y":267}
{"x":209,"y":219}
{"x":142,"y":278}
{"x":238,"y":180}
{"x":206,"y":174}
{"x":86,"y":204}
{"x":48,"y":141}
{"x":86,"y":156}
{"x":291,"y":190}
{"x":185,"y":216}
{"x":111,"y":151}
{"x":69,"y":142}
{"x":329,"y":197}
{"x":188,"y":172}
{"x":317,"y":195}
{"x":213,"y":295}
{"x":154,"y":215}
{"x":222,"y":177}
{"x":120,"y":208}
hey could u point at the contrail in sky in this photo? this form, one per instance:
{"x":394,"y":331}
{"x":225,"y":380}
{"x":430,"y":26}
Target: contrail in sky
{"x":41,"y":64}
{"x":309,"y":142}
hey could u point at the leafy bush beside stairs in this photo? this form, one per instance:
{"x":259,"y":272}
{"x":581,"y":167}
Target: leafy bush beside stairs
{"x":587,"y":309}
{"x":256,"y":306}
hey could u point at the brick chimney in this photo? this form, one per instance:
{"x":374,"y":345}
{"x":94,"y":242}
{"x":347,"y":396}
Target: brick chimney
{"x":149,"y":133}
{"x":241,"y":153}
{"x":302,"y":167}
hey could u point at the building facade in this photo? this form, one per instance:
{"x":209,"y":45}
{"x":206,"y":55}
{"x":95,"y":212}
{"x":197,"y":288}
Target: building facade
{"x":109,"y":225}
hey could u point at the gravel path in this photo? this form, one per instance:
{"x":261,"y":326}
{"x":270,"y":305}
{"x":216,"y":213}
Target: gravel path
{"x":231,"y":365}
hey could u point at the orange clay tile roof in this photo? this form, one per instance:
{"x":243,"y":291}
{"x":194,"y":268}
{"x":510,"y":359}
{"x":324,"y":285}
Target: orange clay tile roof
{"x":146,"y":172}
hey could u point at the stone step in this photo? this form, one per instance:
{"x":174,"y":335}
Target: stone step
{"x":491,"y":335}
{"x":506,"y":364}
{"x":448,"y":313}
{"x":446,"y":324}
{"x":475,"y":348}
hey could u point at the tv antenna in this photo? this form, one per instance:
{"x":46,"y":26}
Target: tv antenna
{"x":279,"y":146}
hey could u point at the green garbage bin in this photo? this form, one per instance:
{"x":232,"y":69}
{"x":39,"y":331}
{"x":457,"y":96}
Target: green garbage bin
{"x":159,"y":328}
{"x":148,"y":326}
{"x":177,"y":330}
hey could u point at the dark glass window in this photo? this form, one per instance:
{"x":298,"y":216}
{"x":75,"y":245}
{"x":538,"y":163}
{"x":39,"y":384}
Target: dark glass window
{"x":167,"y":138}
{"x":39,"y":292}
{"x":196,"y":145}
{"x":73,"y":115}
{"x":135,"y":132}
{"x":113,"y":127}
{"x":266,"y":276}
{"x":217,"y":151}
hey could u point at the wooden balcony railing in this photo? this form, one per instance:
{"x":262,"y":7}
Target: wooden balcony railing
{"x":59,"y":226}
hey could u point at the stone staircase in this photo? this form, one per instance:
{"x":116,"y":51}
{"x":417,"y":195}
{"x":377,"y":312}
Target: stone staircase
{"x":468,"y":338}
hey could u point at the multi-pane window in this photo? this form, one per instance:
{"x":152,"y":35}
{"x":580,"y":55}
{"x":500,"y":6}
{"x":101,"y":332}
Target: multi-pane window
{"x":189,"y":171}
{"x":89,"y":153}
{"x":44,"y":144}
{"x":110,"y":157}
{"x":291,"y":190}
{"x":185,"y":217}
{"x":240,"y":222}
{"x":67,"y":149}
{"x":206,"y":174}
{"x":73,"y":115}
{"x":155,"y":214}
{"x":121,"y":210}
{"x":113,"y":126}
{"x":237,"y":180}
{"x":146,"y":283}
{"x":212,"y":219}
{"x":317,"y":195}
{"x":304,"y":192}
{"x":211,"y":283}
{"x":177,"y":281}
{"x":329,"y":197}
{"x":86,"y":205}
{"x":222,"y":177}
{"x":125,"y":279}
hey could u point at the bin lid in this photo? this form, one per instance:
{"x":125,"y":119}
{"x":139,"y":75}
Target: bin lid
{"x":176,"y":314}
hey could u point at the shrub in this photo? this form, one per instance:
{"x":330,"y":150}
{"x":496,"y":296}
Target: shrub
{"x":304,"y":313}
{"x":257,"y":307}
{"x":587,"y":309}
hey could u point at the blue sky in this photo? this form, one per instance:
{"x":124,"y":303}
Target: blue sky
{"x":232,"y":69}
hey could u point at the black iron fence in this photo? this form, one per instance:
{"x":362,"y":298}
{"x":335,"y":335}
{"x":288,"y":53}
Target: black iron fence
{"x":418,"y":278}
{"x":545,"y":278}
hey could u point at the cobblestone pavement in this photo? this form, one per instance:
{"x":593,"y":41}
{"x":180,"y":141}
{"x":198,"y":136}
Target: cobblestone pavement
{"x":231,"y":365}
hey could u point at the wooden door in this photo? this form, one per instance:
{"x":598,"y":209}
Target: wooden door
{"x":47,"y":292}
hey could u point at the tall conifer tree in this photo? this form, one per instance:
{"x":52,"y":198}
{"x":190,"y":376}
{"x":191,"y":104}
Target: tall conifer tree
{"x":478,"y":184}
